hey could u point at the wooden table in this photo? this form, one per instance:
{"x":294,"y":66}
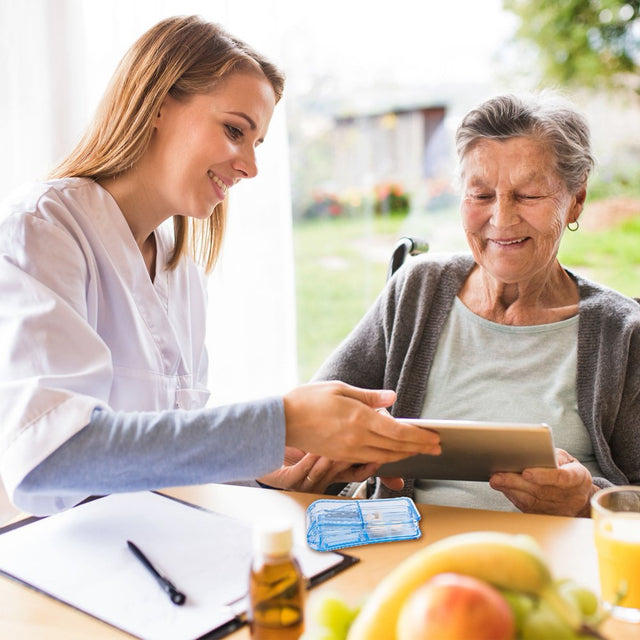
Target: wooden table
{"x":567,"y":543}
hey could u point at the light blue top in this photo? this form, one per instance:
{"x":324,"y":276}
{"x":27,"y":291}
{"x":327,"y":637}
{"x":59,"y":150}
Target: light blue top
{"x":235,"y":442}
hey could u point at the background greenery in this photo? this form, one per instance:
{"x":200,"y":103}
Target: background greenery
{"x":582,"y":43}
{"x":610,"y":256}
{"x":341,"y":266}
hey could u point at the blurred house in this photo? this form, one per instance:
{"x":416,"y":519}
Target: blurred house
{"x":405,"y":148}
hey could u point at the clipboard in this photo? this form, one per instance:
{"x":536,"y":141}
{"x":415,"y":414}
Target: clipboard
{"x":474,"y":450}
{"x":80,"y":558}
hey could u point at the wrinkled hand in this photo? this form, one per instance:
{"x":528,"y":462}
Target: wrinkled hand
{"x":564,"y":491}
{"x":312,"y":473}
{"x":339,"y":421}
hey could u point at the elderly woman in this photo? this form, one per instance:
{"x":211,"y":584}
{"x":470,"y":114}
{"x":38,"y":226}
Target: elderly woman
{"x":507,"y":333}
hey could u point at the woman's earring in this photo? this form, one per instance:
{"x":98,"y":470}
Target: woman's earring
{"x":574,"y":228}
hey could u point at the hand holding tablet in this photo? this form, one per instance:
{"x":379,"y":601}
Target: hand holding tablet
{"x":474,"y":450}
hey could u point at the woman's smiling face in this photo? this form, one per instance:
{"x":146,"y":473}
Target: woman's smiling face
{"x":515,"y":207}
{"x":204,"y":144}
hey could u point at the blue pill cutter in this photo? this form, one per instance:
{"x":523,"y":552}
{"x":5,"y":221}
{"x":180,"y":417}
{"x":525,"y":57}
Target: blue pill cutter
{"x":335,"y":524}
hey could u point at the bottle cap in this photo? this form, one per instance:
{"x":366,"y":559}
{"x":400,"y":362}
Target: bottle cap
{"x":273,"y":537}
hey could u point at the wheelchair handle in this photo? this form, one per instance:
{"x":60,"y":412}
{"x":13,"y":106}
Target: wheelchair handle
{"x":406,"y":247}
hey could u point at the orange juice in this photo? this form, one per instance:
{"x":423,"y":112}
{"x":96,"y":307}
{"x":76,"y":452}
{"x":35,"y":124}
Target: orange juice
{"x":617,"y":539}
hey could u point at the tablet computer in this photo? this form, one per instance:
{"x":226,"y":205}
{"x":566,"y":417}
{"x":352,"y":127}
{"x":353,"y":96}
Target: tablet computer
{"x":473,"y":450}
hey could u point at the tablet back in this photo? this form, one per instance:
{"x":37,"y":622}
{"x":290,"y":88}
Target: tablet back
{"x":475,"y":450}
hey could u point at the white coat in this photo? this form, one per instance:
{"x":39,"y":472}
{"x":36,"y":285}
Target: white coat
{"x":83,"y":326}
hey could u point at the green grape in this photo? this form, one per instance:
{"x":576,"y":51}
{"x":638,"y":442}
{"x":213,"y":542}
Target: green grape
{"x":543,"y":623}
{"x":329,"y":611}
{"x":585,"y":599}
{"x":521,"y":605}
{"x":565,"y":607}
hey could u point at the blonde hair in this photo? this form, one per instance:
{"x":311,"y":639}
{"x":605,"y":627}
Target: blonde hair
{"x":180,"y":56}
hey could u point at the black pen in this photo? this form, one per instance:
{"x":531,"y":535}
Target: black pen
{"x":177,"y":597}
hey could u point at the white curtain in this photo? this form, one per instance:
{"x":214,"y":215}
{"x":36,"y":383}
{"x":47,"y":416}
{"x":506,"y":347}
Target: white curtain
{"x":57,"y":57}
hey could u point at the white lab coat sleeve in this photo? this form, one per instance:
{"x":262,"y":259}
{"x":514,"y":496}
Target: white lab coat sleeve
{"x":55,"y":369}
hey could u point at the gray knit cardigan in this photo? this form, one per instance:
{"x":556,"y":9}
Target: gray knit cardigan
{"x":394,"y":344}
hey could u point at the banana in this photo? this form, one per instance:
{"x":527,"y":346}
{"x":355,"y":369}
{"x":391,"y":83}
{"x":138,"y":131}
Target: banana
{"x":507,"y":561}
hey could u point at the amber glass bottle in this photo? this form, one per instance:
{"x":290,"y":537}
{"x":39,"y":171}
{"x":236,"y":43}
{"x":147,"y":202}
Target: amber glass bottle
{"x":276,"y":586}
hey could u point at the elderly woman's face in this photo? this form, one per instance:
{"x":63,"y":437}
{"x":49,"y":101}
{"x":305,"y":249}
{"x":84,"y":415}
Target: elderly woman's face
{"x":514,"y":207}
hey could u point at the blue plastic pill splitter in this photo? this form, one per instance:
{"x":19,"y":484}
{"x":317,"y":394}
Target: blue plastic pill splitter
{"x":335,"y":524}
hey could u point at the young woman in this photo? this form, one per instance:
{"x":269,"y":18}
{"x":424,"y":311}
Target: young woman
{"x":102,"y":358}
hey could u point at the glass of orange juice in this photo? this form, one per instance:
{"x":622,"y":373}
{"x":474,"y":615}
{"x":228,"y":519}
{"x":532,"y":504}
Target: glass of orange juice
{"x":616,"y":524}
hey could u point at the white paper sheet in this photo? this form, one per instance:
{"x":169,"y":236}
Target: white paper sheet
{"x":81,"y":557}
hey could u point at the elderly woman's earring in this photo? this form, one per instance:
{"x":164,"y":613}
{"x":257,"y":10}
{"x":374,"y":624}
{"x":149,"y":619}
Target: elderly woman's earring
{"x":575,"y":227}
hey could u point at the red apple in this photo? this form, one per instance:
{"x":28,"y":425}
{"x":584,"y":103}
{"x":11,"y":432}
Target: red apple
{"x":451,"y":606}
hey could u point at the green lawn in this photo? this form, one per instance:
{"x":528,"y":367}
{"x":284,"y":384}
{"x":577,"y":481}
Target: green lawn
{"x":611,"y":257}
{"x":341,"y":266}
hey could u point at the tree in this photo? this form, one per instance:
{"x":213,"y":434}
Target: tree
{"x":583,"y":43}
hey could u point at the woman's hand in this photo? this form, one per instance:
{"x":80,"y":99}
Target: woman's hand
{"x":336,"y":420}
{"x":395,"y":484}
{"x":564,"y":491}
{"x":312,"y":473}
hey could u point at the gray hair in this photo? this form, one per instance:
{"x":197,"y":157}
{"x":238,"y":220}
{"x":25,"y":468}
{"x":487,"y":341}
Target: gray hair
{"x":545,"y":117}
